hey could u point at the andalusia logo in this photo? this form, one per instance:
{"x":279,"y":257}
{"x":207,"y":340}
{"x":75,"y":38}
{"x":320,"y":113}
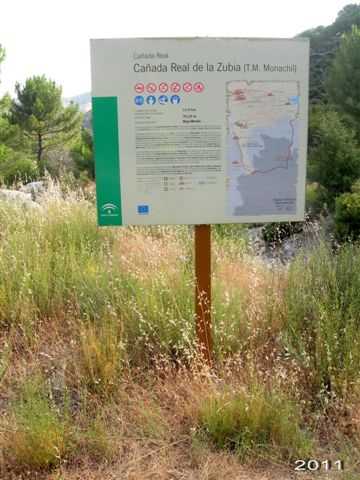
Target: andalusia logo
{"x":109,"y":210}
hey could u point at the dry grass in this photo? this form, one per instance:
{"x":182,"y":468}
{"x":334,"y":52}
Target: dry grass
{"x":147,"y":431}
{"x":105,"y":319}
{"x":140,"y":254}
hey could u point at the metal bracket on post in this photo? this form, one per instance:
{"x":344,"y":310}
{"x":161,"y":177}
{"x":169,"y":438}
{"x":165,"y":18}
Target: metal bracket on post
{"x":203,"y":290}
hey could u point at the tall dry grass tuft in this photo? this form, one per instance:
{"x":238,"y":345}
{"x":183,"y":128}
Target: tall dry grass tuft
{"x":101,"y":356}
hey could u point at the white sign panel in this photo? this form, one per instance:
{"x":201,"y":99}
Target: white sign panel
{"x":200,"y":131}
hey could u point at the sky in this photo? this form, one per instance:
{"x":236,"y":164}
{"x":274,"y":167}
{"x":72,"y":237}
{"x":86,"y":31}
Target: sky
{"x":51,"y":37}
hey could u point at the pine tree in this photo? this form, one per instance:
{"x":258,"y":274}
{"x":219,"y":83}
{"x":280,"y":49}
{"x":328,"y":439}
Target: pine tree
{"x":39,"y":111}
{"x":344,"y":80}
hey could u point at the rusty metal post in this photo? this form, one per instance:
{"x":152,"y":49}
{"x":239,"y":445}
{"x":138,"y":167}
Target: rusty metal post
{"x":203,"y":290}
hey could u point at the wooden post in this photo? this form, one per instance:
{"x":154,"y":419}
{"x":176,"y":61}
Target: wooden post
{"x":203,"y":290}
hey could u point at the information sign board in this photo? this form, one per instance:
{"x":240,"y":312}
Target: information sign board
{"x":200,"y":130}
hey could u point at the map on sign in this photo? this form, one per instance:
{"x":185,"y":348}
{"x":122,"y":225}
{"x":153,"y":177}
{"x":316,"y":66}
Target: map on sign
{"x":262,"y":146}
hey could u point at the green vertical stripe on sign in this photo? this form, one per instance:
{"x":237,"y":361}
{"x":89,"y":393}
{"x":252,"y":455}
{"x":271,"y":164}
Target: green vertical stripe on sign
{"x":107,"y":164}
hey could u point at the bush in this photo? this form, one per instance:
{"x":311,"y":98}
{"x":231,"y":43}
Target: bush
{"x":334,"y":155}
{"x":316,"y":196}
{"x":347,"y":216}
{"x":82,"y":154}
{"x":254,"y":422}
{"x":16,"y":167}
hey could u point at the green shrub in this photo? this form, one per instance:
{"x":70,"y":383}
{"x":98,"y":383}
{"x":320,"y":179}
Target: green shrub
{"x":254,"y":422}
{"x":334,"y":155}
{"x":316,"y":196}
{"x":16,"y":167}
{"x":82,"y":154}
{"x":347,"y":216}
